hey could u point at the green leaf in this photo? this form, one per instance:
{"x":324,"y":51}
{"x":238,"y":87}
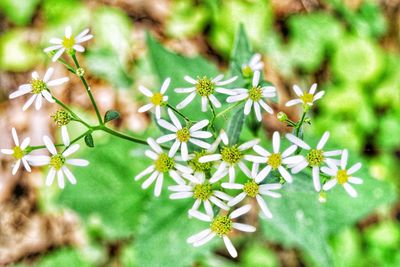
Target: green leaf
{"x":235,"y":126}
{"x":111,"y":115}
{"x":19,"y":12}
{"x":64,"y":257}
{"x":162,"y":234}
{"x":89,"y":140}
{"x":300,"y":220}
{"x":168,"y":64}
{"x":106,"y":188}
{"x":105,"y":64}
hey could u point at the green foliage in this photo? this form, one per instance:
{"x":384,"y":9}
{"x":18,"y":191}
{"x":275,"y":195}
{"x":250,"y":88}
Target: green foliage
{"x":105,"y":64}
{"x":300,"y":220}
{"x":89,"y":140}
{"x":106,"y":189}
{"x":64,"y":257}
{"x":16,"y":53}
{"x":19,"y":12}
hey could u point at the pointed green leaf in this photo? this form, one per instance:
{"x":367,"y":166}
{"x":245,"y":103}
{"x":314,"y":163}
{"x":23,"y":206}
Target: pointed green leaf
{"x":111,"y":115}
{"x":89,"y":140}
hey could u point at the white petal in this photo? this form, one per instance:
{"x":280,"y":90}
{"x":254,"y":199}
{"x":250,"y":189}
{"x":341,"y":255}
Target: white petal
{"x":147,"y":171}
{"x":232,"y":186}
{"x":293,"y":102}
{"x":263,"y":174}
{"x":78,"y":162}
{"x":199,"y":215}
{"x":249,"y":144}
{"x":60,"y":179}
{"x":319,"y":95}
{"x":297,"y":90}
{"x":229,"y":246}
{"x":190,"y":79}
{"x":260,"y":150}
{"x":186,"y":101}
{"x":204,"y":102}
{"x":256,"y":79}
{"x":50,"y":176}
{"x":214,"y":101}
{"x":145,"y":91}
{"x":244,"y":227}
{"x":52,"y":48}
{"x":82,"y":33}
{"x":226,"y":81}
{"x":236,"y":98}
{"x":328,"y":171}
{"x":166,"y":138}
{"x":38,"y":103}
{"x":176,"y":177}
{"x":29,"y":102}
{"x":225,"y":91}
{"x":71,"y":150}
{"x":49,"y":144}
{"x":247,"y":107}
{"x":263,"y":206}
{"x":208,"y":208}
{"x":266,"y":107}
{"x":83,"y":39}
{"x":58,"y":81}
{"x":159,"y":183}
{"x":174,"y":148}
{"x":255,"y":159}
{"x":198,"y":236}
{"x":158,"y":112}
{"x":68,"y":32}
{"x":350,"y":190}
{"x":66,"y":141}
{"x":145,"y":108}
{"x":69,"y":175}
{"x":174,"y":119}
{"x":199,"y":125}
{"x":285,"y":174}
{"x":240,"y":211}
{"x":58,"y":54}
{"x":208,"y":158}
{"x":78,"y":48}
{"x":21,"y":91}
{"x":297,"y":141}
{"x":343,"y":161}
{"x":204,"y":240}
{"x":323,"y":141}
{"x":316,"y":181}
{"x":276,"y":141}
{"x":293,"y":160}
{"x":16,"y":167}
{"x":48,"y":96}
{"x":184,"y":151}
{"x":354,"y":168}
{"x":257,"y":111}
{"x":185,"y":90}
{"x":15,"y":136}
{"x":329,"y":184}
{"x":26,"y":165}
{"x":150,"y":180}
{"x":300,"y":166}
{"x":332,"y":153}
{"x":7,"y":151}
{"x":167,"y":125}
{"x":237,"y":199}
{"x":355,"y":180}
{"x":154,"y":145}
{"x":48,"y":74}
{"x":222,"y":195}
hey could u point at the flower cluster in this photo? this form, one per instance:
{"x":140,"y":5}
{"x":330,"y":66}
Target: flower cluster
{"x":203,"y":161}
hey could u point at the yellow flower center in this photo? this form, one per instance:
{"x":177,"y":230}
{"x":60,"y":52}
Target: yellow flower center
{"x":157,"y":99}
{"x":164,"y":163}
{"x":307,"y":98}
{"x":38,"y":86}
{"x":68,"y":43}
{"x":202,"y":191}
{"x":204,"y":86}
{"x":183,"y":135}
{"x":342,"y":176}
{"x":255,"y":93}
{"x":275,"y":160}
{"x":221,"y":225}
{"x":198,"y":166}
{"x":61,"y":117}
{"x":251,"y":188}
{"x":18,"y":152}
{"x":315,"y":157}
{"x":231,"y":154}
{"x":247,"y":72}
{"x":57,"y":161}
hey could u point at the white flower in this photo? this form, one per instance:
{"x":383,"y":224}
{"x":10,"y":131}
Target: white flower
{"x":254,"y":97}
{"x":18,"y":152}
{"x":157,"y":99}
{"x":255,"y":64}
{"x":183,"y":135}
{"x":254,"y":189}
{"x":205,"y":88}
{"x":162,"y":163}
{"x":342,"y":176}
{"x":39,"y":88}
{"x":69,"y":42}
{"x":274,"y":160}
{"x":221,"y":225}
{"x":305,"y":98}
{"x":314,"y":158}
{"x":58,"y":162}
{"x":201,"y":190}
{"x":230,"y":156}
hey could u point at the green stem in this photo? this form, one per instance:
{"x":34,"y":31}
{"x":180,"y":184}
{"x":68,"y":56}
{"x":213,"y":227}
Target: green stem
{"x":179,"y":113}
{"x":214,"y":115}
{"x":228,"y":109}
{"x":89,"y":92}
{"x":68,"y":66}
{"x":300,"y":123}
{"x":120,"y":135}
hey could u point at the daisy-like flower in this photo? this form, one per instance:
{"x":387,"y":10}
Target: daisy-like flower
{"x":230,"y":157}
{"x":342,"y":176}
{"x":162,"y":163}
{"x":157,"y":100}
{"x":253,"y":96}
{"x":202,"y":191}
{"x":58,"y":162}
{"x":18,"y":152}
{"x":39,"y":88}
{"x":254,"y":189}
{"x":307,"y":99}
{"x":205,"y":88}
{"x":255,"y":64}
{"x":68,"y":43}
{"x":222,"y":226}
{"x":274,"y":160}
{"x":315,"y":157}
{"x":183,"y":135}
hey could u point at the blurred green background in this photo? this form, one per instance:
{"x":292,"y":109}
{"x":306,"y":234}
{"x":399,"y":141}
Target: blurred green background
{"x":350,"y":48}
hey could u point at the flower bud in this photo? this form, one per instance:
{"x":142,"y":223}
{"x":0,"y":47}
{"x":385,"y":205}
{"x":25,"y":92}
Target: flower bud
{"x":80,"y":72}
{"x":282,"y":116}
{"x":322,"y":197}
{"x":61,"y":117}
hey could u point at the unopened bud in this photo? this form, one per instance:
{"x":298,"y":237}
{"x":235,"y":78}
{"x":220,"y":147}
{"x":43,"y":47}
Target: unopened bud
{"x":282,"y":116}
{"x":61,"y":117}
{"x":80,"y":72}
